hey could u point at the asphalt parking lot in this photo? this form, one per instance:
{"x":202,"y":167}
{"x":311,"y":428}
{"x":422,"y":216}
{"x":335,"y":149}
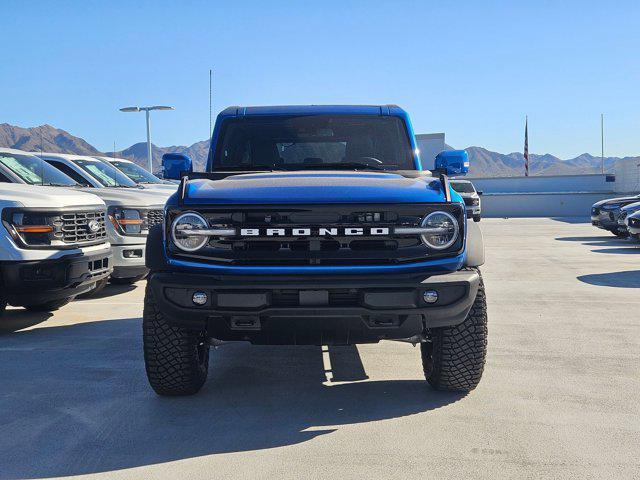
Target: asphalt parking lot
{"x":559,"y":397}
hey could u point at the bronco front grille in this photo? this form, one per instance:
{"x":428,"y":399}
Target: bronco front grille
{"x":286,"y":248}
{"x":80,"y":227}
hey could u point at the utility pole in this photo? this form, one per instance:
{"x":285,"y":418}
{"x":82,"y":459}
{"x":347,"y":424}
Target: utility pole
{"x":602,"y":140}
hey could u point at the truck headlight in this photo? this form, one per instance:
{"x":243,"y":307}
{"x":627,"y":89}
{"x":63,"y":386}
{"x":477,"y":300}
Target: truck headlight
{"x":185,"y":224}
{"x":444,"y":230}
{"x":31,"y":227}
{"x":127,"y":221}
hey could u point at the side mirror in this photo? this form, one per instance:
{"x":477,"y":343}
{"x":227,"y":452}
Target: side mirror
{"x":480,"y":192}
{"x":452,"y":162}
{"x":175,"y":164}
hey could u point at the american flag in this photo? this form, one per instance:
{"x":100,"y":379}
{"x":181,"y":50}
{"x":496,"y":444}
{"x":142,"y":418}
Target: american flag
{"x":526,"y":147}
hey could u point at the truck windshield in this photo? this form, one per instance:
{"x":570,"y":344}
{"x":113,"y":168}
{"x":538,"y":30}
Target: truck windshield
{"x":463,"y":187}
{"x":35,"y":171}
{"x":135,"y":172}
{"x":107,"y":175}
{"x":318,"y":141}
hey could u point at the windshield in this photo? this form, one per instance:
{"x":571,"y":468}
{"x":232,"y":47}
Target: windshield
{"x":135,"y":172}
{"x":463,"y":187}
{"x":285,"y":142}
{"x":107,"y":175}
{"x":35,"y":171}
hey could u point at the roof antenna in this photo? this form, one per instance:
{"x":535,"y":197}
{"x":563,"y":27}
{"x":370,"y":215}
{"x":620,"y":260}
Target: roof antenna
{"x":115,"y":175}
{"x":41,"y":159}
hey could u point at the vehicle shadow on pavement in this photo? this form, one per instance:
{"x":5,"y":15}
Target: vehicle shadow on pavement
{"x":109,"y":291}
{"x":627,"y":279}
{"x":17,"y":319}
{"x":619,"y":250}
{"x":604,"y":241}
{"x":572,"y":220}
{"x":75,"y":401}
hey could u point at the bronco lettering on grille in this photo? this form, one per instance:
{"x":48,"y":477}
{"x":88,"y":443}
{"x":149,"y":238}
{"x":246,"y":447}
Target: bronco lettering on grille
{"x":313,"y":232}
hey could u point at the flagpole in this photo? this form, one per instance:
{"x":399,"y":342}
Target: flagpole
{"x":526,"y":146}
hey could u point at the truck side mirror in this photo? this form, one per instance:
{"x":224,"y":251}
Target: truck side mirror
{"x":452,"y":162}
{"x":480,"y":192}
{"x":175,"y":164}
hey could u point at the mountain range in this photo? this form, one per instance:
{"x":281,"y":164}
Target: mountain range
{"x":483,"y":162}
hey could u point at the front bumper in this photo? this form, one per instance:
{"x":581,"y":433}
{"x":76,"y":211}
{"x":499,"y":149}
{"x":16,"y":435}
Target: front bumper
{"x":607,"y":220}
{"x":128,"y":260}
{"x":36,"y":282}
{"x":473,"y":210}
{"x":314,"y":310}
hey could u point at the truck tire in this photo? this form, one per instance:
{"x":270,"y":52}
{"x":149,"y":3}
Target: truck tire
{"x":50,"y":306}
{"x":454,"y":358}
{"x":620,"y":233}
{"x":176,"y":359}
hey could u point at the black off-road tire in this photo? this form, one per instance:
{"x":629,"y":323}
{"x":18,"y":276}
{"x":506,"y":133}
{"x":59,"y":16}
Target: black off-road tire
{"x":100,"y":284}
{"x":454,"y":358}
{"x":620,"y":233}
{"x":51,"y":306}
{"x":476,"y":218}
{"x":176,"y":359}
{"x":3,"y":306}
{"x":127,"y":281}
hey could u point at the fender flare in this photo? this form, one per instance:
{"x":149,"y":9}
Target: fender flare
{"x":474,"y":255}
{"x":154,"y":254}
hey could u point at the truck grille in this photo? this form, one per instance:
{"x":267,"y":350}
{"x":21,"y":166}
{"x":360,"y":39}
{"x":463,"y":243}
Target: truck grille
{"x":154,"y":217}
{"x":74,"y":227}
{"x":340,"y":249}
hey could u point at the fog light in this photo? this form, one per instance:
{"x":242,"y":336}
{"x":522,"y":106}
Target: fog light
{"x":199,"y":298}
{"x":430,"y":296}
{"x":132,"y":253}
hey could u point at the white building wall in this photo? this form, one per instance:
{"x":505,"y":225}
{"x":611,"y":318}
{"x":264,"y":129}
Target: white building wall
{"x":627,"y":175}
{"x":548,"y":184}
{"x":430,"y":145}
{"x":548,"y":196}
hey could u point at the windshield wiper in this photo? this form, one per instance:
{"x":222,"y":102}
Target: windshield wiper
{"x":336,"y":166}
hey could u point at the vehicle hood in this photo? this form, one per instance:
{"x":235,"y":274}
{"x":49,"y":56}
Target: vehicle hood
{"x":632,"y":207}
{"x":134,"y":197}
{"x":160,"y":187}
{"x":31,"y":196}
{"x":616,"y":200}
{"x":315,"y":187}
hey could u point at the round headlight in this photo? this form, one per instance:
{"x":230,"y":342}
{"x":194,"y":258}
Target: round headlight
{"x":180,"y":232}
{"x":445,"y":230}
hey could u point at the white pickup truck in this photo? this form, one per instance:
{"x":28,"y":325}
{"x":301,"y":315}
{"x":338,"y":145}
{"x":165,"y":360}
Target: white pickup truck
{"x":53,"y":245}
{"x":131,"y":210}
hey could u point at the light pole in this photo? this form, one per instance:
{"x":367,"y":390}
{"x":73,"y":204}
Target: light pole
{"x":146,"y":110}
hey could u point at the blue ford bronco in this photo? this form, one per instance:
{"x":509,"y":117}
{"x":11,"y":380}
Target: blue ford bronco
{"x":314,"y":225}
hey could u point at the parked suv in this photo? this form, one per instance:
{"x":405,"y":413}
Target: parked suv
{"x":131,"y":211}
{"x":53,"y":244}
{"x":604,"y":214}
{"x":470,"y":196}
{"x":315,"y":225}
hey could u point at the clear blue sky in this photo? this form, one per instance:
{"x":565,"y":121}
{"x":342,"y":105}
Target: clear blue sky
{"x":470,"y":69}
